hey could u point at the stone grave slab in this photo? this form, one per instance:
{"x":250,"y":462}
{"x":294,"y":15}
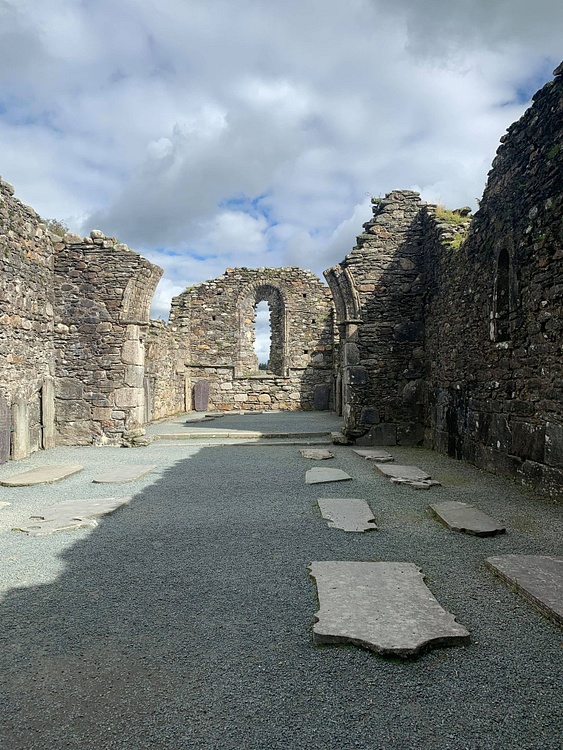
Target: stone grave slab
{"x":72,"y":514}
{"x":201,"y":395}
{"x":537,"y":578}
{"x":374,"y":454}
{"x":411,"y":475}
{"x":466,"y":518}
{"x":383,"y":606}
{"x":127,"y":473}
{"x":321,"y":396}
{"x":42,"y":475}
{"x":317,"y":454}
{"x":319,"y":474}
{"x":5,"y":425}
{"x":347,"y":513}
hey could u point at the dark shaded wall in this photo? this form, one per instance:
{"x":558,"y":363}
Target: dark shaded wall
{"x":494,"y":312}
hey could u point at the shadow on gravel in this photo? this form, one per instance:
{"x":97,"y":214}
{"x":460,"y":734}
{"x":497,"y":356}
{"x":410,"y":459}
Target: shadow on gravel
{"x":184,"y":621}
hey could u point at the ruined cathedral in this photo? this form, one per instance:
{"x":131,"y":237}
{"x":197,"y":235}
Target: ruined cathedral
{"x":436,"y":329}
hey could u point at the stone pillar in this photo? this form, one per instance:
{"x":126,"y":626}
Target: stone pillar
{"x":48,"y":413}
{"x":20,"y":427}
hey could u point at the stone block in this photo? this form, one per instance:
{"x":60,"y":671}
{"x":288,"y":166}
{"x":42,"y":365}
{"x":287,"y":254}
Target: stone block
{"x":69,"y":388}
{"x":133,"y":353}
{"x":129,"y":397}
{"x":357,"y":375}
{"x":528,"y":440}
{"x":554,"y":445}
{"x":134,"y":375}
{"x":48,"y":413}
{"x":321,"y":396}
{"x":380,"y":434}
{"x":369,"y":415}
{"x":70,"y":411}
{"x":351,"y":354}
{"x":410,"y":434}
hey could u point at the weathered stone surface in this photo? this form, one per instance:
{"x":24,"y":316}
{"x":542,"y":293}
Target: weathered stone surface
{"x":5,"y":426}
{"x":42,"y":475}
{"x":338,"y":438}
{"x":317,"y":454}
{"x":201,"y":395}
{"x":537,"y":578}
{"x":383,"y":606}
{"x":347,"y":514}
{"x":379,"y":434}
{"x":399,"y":471}
{"x":374,"y":454}
{"x":320,"y":474}
{"x":321,"y":396}
{"x":466,"y":518}
{"x":72,"y":514}
{"x":127,"y":473}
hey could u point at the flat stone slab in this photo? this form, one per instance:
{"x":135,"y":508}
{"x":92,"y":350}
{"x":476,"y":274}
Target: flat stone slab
{"x":347,"y":513}
{"x":318,"y":454}
{"x":411,"y":475}
{"x":72,"y":514}
{"x":319,"y":474}
{"x":381,"y":456}
{"x":537,"y":578}
{"x":466,"y":518}
{"x":42,"y":475}
{"x":128,"y":473}
{"x":383,"y":606}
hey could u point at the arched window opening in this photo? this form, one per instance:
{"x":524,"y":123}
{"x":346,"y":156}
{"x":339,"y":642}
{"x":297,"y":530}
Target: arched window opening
{"x":263,"y":334}
{"x":502,"y":297}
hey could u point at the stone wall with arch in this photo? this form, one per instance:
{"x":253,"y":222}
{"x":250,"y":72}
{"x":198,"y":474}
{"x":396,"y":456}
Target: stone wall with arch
{"x":215,"y":321}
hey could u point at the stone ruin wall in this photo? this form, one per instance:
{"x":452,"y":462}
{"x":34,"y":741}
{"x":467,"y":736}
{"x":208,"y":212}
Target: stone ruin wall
{"x":167,"y":389}
{"x":378,"y":291}
{"x":216,"y":319}
{"x":27,"y":366}
{"x":494,"y":312}
{"x":104,"y":291}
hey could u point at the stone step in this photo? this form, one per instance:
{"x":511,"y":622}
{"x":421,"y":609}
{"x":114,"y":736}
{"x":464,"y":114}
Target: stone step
{"x":347,"y":513}
{"x":383,"y":606}
{"x":466,"y":519}
{"x":237,"y":435}
{"x":42,"y":475}
{"x":538,"y":578}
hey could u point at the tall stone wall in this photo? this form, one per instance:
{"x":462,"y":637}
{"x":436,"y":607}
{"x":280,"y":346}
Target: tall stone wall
{"x":378,"y":292}
{"x":26,"y":329}
{"x":103,"y":292}
{"x":494,"y":311}
{"x":216,"y":320}
{"x":166,"y":385}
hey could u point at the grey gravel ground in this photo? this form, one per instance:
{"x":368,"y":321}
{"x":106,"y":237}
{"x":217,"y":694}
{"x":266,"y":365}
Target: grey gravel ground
{"x":185,"y":620}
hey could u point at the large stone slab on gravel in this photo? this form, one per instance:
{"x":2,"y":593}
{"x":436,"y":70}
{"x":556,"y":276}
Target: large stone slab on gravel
{"x":384,"y":606}
{"x":42,"y":475}
{"x":411,"y":475}
{"x":347,"y":513}
{"x":72,"y":514}
{"x":319,"y":474}
{"x":466,"y":518}
{"x":317,"y":454}
{"x":373,"y":454}
{"x":127,"y":473}
{"x":537,"y":578}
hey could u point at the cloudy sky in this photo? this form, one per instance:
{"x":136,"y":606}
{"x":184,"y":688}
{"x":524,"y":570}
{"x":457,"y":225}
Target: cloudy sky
{"x":216,"y":133}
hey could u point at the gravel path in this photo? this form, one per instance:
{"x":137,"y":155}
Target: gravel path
{"x":185,"y":620}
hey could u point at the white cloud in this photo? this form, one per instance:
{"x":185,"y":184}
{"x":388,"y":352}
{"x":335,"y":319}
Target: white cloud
{"x":219,"y":133}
